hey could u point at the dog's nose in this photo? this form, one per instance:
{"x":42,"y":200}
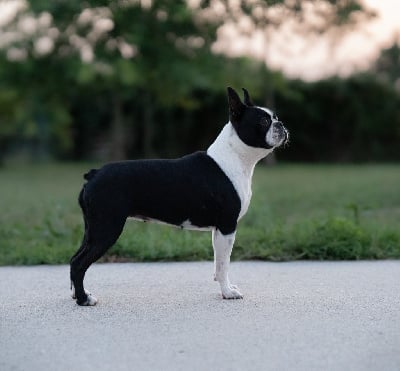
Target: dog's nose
{"x":279,"y":124}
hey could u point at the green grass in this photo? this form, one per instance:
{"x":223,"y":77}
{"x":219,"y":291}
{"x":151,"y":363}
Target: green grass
{"x":297,"y":212}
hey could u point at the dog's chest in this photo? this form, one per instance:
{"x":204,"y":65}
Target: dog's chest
{"x":237,"y":161}
{"x":241,"y":179}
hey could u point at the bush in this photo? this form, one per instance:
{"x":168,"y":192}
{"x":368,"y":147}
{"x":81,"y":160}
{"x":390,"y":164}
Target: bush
{"x":336,"y":239}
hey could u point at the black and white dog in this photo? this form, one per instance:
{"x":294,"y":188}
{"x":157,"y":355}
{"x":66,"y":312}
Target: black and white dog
{"x":207,"y":191}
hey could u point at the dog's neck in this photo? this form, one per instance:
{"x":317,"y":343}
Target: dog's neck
{"x":229,"y":151}
{"x":237,"y":160}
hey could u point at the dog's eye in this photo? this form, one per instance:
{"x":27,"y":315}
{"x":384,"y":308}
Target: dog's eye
{"x":266,"y":120}
{"x":263,"y":124}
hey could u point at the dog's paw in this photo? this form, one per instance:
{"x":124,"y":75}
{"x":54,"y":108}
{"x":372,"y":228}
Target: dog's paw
{"x":231,"y":292}
{"x":90,"y":301}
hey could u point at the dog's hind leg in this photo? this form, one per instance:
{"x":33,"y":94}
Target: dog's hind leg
{"x":90,"y":299}
{"x":101,"y":233}
{"x":85,"y":238}
{"x":82,"y":247}
{"x":223,"y":245}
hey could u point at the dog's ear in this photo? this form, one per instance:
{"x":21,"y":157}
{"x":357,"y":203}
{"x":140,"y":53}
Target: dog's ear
{"x":247,"y":99}
{"x":236,"y":107}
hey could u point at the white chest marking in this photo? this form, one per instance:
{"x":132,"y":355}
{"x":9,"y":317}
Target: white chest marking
{"x":237,"y":160}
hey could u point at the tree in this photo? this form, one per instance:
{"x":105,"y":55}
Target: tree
{"x":143,"y":55}
{"x":387,"y":65}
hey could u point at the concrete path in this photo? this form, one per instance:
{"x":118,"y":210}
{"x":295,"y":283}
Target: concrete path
{"x":169,"y":316}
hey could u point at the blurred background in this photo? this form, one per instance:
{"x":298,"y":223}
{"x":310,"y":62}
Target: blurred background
{"x":105,"y":80}
{"x":85,"y":82}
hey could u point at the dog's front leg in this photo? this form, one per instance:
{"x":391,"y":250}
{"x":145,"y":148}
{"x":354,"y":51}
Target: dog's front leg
{"x":223,"y":245}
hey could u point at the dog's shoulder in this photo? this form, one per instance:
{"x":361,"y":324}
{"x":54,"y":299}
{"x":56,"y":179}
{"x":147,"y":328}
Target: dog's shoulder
{"x":200,"y":164}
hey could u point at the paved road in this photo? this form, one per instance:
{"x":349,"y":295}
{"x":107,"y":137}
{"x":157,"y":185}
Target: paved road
{"x":169,"y":316}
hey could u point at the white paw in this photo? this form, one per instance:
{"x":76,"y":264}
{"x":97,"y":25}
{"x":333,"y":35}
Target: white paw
{"x":231,"y":292}
{"x":91,"y":300}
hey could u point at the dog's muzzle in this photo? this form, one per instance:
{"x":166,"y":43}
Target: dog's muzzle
{"x":276,"y":135}
{"x":282,"y":132}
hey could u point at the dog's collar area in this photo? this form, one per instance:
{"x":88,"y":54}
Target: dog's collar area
{"x":228,"y":147}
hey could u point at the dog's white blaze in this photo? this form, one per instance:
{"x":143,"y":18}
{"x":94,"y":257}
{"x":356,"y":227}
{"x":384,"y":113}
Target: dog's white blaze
{"x":267,"y":110}
{"x":237,"y":160}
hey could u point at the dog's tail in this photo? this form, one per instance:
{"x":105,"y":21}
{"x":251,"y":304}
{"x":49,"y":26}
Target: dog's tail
{"x":90,"y":174}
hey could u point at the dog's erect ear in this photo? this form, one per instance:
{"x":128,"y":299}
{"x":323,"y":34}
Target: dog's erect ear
{"x":247,"y":99}
{"x":236,"y":107}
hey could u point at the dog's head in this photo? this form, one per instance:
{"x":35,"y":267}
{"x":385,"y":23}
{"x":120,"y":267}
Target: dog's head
{"x":256,"y":126}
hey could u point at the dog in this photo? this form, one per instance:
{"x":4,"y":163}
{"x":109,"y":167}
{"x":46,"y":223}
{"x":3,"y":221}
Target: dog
{"x":208,"y":191}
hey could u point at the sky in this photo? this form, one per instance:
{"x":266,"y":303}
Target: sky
{"x":357,"y":50}
{"x":315,"y":57}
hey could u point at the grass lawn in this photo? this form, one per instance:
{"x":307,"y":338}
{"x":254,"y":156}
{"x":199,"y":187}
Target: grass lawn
{"x":297,"y":212}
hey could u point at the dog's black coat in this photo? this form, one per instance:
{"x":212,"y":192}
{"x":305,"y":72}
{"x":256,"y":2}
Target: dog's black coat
{"x":192,"y":188}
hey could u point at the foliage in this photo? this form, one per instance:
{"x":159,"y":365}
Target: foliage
{"x":297,"y":212}
{"x":387,"y":66}
{"x":356,"y":119}
{"x":334,"y":120}
{"x":74,"y":72}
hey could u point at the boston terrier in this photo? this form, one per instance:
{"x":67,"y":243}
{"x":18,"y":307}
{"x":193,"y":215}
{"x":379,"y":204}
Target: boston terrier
{"x":207,"y":191}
